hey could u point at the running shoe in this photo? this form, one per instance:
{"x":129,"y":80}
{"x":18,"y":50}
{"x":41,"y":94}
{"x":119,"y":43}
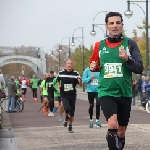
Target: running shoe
{"x":51,"y":114}
{"x":70,"y":129}
{"x":60,"y":119}
{"x":98,"y":124}
{"x":44,"y":109}
{"x":46,"y":113}
{"x":65,"y":123}
{"x":91,"y":124}
{"x":35,"y":99}
{"x":54,"y":109}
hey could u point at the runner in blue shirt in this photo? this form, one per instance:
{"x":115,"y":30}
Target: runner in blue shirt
{"x":91,"y":78}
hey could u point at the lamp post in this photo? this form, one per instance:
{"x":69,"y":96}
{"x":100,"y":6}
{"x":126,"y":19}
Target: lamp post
{"x":59,"y":60}
{"x":93,"y":33}
{"x":51,"y":59}
{"x":129,"y":14}
{"x":53,"y":52}
{"x":73,"y":44}
{"x":42,"y":63}
{"x":60,"y":48}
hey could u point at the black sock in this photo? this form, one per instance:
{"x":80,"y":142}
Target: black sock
{"x":112,"y":139}
{"x":70,"y":125}
{"x":122,"y":140}
{"x":67,"y":118}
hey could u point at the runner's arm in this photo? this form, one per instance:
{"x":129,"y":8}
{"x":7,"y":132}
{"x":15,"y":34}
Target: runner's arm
{"x":85,"y":78}
{"x":135,"y":64}
{"x":79,"y":80}
{"x":95,"y":57}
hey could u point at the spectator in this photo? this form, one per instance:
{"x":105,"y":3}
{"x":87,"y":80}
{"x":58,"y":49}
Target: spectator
{"x":139,"y":85}
{"x":133,"y":91}
{"x":147,"y":88}
{"x":143,"y":90}
{"x":12,"y":90}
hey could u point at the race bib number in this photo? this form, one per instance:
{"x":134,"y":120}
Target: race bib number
{"x":94,"y":82}
{"x":50,"y":84}
{"x":68,"y":87}
{"x":112,"y":70}
{"x":23,"y":82}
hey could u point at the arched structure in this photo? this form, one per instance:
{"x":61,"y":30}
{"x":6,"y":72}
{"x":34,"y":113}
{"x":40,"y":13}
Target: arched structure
{"x":28,"y":63}
{"x":31,"y":56}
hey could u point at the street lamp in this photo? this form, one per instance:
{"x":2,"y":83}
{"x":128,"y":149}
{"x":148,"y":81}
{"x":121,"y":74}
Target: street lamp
{"x":42,"y":62}
{"x":73,"y":44}
{"x":60,"y":47}
{"x":59,"y":59}
{"x":129,"y":14}
{"x":53,"y":52}
{"x":51,"y":59}
{"x":93,"y":33}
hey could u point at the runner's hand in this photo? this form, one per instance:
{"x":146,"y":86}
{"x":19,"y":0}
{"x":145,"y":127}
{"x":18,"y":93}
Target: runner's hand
{"x":92,"y":76}
{"x":79,"y":80}
{"x":123,"y":54}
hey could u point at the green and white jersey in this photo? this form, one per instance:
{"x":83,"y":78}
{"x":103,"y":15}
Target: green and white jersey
{"x":115,"y":76}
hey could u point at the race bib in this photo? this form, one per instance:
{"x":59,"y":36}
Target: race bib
{"x":112,"y":70}
{"x":68,"y":87}
{"x":94,"y":82}
{"x":50,"y":84}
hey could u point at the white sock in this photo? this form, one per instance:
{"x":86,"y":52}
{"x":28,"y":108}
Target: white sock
{"x":97,"y":120}
{"x":91,"y":119}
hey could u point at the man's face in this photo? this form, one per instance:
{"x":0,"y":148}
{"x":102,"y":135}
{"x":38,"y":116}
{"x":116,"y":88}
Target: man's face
{"x":114,"y":26}
{"x":69,"y":65}
{"x":51,"y":75}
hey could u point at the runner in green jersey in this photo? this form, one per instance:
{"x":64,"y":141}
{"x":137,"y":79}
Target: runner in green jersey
{"x":39,"y":84}
{"x":116,"y":58}
{"x":57,"y":98}
{"x":34,"y":83}
{"x":44,"y":94}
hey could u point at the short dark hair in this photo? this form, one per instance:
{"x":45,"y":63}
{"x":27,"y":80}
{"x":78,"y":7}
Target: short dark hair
{"x":51,"y":72}
{"x":111,"y":14}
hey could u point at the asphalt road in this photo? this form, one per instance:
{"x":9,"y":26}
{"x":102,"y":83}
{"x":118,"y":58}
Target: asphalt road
{"x":33,"y":130}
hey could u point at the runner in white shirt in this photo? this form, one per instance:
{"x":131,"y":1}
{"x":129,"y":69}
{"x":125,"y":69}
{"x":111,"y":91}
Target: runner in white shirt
{"x":23,"y":82}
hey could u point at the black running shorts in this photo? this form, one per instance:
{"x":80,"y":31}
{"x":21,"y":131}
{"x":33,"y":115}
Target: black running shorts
{"x":69,"y":104}
{"x":117,"y":105}
{"x":58,"y":99}
{"x":44,"y":96}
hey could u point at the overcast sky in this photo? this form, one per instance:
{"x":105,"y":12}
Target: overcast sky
{"x":44,"y":23}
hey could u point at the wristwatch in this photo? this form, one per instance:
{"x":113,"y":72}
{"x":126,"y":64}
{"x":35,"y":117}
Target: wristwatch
{"x":129,"y":59}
